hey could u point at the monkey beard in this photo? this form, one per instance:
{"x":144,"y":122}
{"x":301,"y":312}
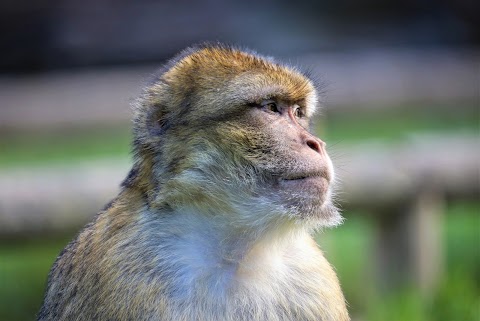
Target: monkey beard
{"x":306,"y":204}
{"x":308,"y":201}
{"x":266,"y":196}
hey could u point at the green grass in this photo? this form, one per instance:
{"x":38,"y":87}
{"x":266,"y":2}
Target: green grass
{"x":350,"y":249}
{"x":24,"y":266}
{"x":397,"y":123}
{"x":63,"y":145}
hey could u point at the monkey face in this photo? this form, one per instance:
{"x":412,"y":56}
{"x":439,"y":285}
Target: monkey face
{"x":292,"y":166}
{"x":232,"y":129}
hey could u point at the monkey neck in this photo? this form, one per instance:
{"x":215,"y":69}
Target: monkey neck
{"x":206,"y":256}
{"x":232,"y":245}
{"x":247,"y":235}
{"x":248,"y":246}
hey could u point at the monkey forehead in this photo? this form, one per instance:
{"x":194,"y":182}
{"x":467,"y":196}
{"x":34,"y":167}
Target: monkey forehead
{"x":237,"y":77}
{"x":255,"y":87}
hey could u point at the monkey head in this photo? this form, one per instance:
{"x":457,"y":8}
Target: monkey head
{"x":227,"y":131}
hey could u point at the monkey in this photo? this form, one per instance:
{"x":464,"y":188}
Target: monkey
{"x":214,"y":221}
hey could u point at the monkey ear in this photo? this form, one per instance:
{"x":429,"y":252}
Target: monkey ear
{"x":156,"y":121}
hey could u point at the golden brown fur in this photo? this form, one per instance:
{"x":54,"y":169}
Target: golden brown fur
{"x":211,"y":223}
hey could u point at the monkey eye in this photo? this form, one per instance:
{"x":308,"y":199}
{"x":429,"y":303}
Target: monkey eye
{"x":270,"y":106}
{"x":298,"y":112}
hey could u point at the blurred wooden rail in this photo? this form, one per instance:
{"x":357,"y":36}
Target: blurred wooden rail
{"x":402,"y":187}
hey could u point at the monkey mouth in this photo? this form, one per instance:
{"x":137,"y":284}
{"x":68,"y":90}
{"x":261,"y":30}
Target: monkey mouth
{"x":300,"y":177}
{"x":305,"y":176}
{"x":310,"y":182}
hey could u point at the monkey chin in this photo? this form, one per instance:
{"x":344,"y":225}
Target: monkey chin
{"x":309,"y":200}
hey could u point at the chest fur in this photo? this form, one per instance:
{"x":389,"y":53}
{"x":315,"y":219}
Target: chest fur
{"x":298,"y":286}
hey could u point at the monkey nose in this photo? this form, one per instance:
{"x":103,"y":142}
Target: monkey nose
{"x":315,"y":144}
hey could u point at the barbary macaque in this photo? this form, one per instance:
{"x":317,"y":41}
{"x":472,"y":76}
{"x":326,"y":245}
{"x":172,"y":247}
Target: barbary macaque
{"x":214,"y":222}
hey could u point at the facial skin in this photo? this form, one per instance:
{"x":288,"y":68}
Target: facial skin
{"x":299,"y":175}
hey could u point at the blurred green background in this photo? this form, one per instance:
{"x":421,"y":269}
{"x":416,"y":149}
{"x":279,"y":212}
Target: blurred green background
{"x":395,"y":75}
{"x":25,"y":261}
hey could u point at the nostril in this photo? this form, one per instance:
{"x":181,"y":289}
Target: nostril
{"x":314,"y":145}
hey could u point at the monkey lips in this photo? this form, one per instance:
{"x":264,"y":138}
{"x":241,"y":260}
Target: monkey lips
{"x":312,"y":184}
